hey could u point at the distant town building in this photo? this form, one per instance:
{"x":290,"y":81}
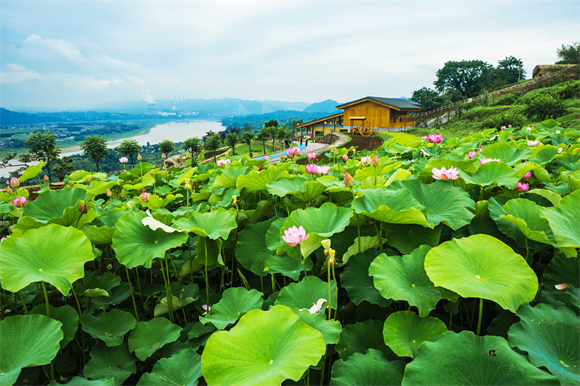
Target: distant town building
{"x":152,"y":108}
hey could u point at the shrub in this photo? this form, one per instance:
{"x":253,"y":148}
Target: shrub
{"x":507,"y":100}
{"x":504,"y":119}
{"x":544,"y":107}
{"x":568,"y":90}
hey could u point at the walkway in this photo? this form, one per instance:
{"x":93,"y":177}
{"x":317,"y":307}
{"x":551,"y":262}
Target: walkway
{"x":312,"y":147}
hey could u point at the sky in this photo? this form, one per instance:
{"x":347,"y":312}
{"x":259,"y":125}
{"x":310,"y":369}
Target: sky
{"x":58,"y":55}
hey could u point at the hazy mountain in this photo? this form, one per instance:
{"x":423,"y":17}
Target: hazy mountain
{"x":327,"y":106}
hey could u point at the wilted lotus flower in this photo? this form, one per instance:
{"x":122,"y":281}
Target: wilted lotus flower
{"x":527,"y":175}
{"x":139,"y":158}
{"x":311,"y":169}
{"x":435,"y":138}
{"x":223,"y":162}
{"x":522,"y":187}
{"x":471,"y":154}
{"x":312,"y":155}
{"x":486,"y":160}
{"x":83,"y":209}
{"x":562,"y":286}
{"x":109,"y":193}
{"x":323,"y":169}
{"x":14,"y":182}
{"x":344,"y":157}
{"x":316,"y":307}
{"x":294,"y":236}
{"x":348,"y":180}
{"x":443,"y":174}
{"x":375,"y":161}
{"x":145,"y":196}
{"x":19,"y":202}
{"x":533,"y":143}
{"x":365,"y":160}
{"x":123,"y":160}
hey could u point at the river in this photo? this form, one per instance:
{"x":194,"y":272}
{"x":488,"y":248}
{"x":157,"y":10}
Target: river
{"x":173,"y":131}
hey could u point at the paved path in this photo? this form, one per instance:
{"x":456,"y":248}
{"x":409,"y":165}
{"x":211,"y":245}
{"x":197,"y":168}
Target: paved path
{"x":312,"y":147}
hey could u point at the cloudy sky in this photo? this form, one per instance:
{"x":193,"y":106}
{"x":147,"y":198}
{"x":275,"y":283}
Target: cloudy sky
{"x":84,"y":54}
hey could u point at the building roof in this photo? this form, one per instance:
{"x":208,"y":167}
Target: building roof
{"x":540,"y":67}
{"x":399,"y":104}
{"x":322,"y":119}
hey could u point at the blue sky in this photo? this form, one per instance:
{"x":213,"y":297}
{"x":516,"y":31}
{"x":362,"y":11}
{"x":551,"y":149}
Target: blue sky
{"x":83,"y":54}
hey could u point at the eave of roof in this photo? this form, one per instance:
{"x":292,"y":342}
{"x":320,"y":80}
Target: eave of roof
{"x":397,"y":104}
{"x":321,"y":119}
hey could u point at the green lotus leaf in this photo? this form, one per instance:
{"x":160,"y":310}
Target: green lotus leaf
{"x":99,"y":235}
{"x":326,"y":220}
{"x":364,"y":243}
{"x":395,"y":207}
{"x":560,"y":270}
{"x":525,"y":214}
{"x":273,"y":237}
{"x":370,"y":369}
{"x":255,"y":182}
{"x":32,"y":171}
{"x":404,"y":331}
{"x":95,"y":293}
{"x":72,"y":216}
{"x":362,"y":336}
{"x":564,"y":220}
{"x":137,"y":244}
{"x":27,"y":340}
{"x":110,"y":327}
{"x":235,"y":302}
{"x":79,"y":381}
{"x":66,"y":315}
{"x":404,"y":278}
{"x":150,"y":336}
{"x":506,"y":227}
{"x":106,"y":362}
{"x":467,"y":359}
{"x":366,"y":172}
{"x":550,"y":337}
{"x":443,"y":202}
{"x":176,"y":304}
{"x":106,"y":281}
{"x":214,"y":224}
{"x":53,"y":254}
{"x":493,"y":173}
{"x":182,"y":369}
{"x":357,"y":282}
{"x":209,"y":252}
{"x":287,"y":266}
{"x":284,"y":186}
{"x":507,"y":153}
{"x":330,"y":329}
{"x":52,"y":203}
{"x":481,"y":266}
{"x":313,"y":190}
{"x":306,"y":293}
{"x":553,"y":197}
{"x":407,"y":238}
{"x":264,"y":348}
{"x":545,"y":154}
{"x":116,"y":295}
{"x":252,"y":250}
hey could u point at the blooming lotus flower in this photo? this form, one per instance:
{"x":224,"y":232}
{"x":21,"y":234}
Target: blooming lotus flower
{"x":83,"y":209}
{"x":560,"y":150}
{"x":486,"y":160}
{"x":323,"y":169}
{"x":529,"y":129}
{"x":348,"y":180}
{"x":205,"y":307}
{"x":562,"y":286}
{"x":522,"y":187}
{"x":365,"y":160}
{"x":435,"y":138}
{"x":527,"y":175}
{"x":224,"y":162}
{"x":315,"y":308}
{"x":311,"y":169}
{"x":443,"y":174}
{"x":312,"y":155}
{"x":425,"y":137}
{"x":533,"y":143}
{"x":294,"y":236}
{"x":14,"y":182}
{"x":480,"y":150}
{"x":19,"y":202}
{"x":145,"y":196}
{"x":375,"y":161}
{"x":558,"y":131}
{"x":123,"y":160}
{"x":503,"y":128}
{"x":344,"y":157}
{"x":139,"y":158}
{"x":471,"y":154}
{"x":109,"y":193}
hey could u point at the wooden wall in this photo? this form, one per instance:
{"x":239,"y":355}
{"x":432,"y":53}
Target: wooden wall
{"x":376,"y":115}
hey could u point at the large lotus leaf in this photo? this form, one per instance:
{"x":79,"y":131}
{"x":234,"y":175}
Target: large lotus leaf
{"x":370,"y":369}
{"x":99,"y":235}
{"x":550,"y":337}
{"x":408,"y":237}
{"x":79,"y":381}
{"x":209,"y":252}
{"x":565,"y":220}
{"x":395,"y":207}
{"x":525,"y":214}
{"x":506,"y":227}
{"x":215,"y":224}
{"x":52,"y":203}
{"x":493,"y":173}
{"x":362,"y":336}
{"x":330,"y":329}
{"x":150,"y":336}
{"x":66,"y":315}
{"x":287,"y":266}
{"x":306,"y":293}
{"x":404,"y":278}
{"x":110,"y":327}
{"x":362,"y":244}
{"x":560,"y":270}
{"x":467,"y":359}
{"x":404,"y":331}
{"x":107,"y":362}
{"x":137,"y":244}
{"x":182,"y":369}
{"x":273,"y":238}
{"x":326,"y":220}
{"x":235,"y":302}
{"x":53,"y":254}
{"x":313,"y":190}
{"x":507,"y":153}
{"x":264,"y":348}
{"x":255,"y":182}
{"x":481,"y":266}
{"x":285,"y":186}
{"x":544,"y":154}
{"x":32,"y":171}
{"x":252,"y":250}
{"x":176,"y":304}
{"x":106,"y":281}
{"x":357,"y":282}
{"x":27,"y":340}
{"x":553,"y":197}
{"x":72,"y":216}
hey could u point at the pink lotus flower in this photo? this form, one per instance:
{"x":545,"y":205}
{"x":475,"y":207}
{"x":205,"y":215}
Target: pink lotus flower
{"x":527,"y":175}
{"x":522,"y":187}
{"x":292,"y":151}
{"x":560,"y":150}
{"x":471,"y":154}
{"x":312,"y":155}
{"x":365,"y":160}
{"x":425,"y":137}
{"x":145,"y":196}
{"x":323,"y":169}
{"x":14,"y":182}
{"x":311,"y":169}
{"x":533,"y":143}
{"x":224,"y":162}
{"x":486,"y":160}
{"x":109,"y":193}
{"x":348,"y":180}
{"x":375,"y":161}
{"x":344,"y":157}
{"x":443,"y":174}
{"x":123,"y":160}
{"x":503,"y":128}
{"x":558,"y":131}
{"x":294,"y":236}
{"x":509,"y":126}
{"x":562,"y":286}
{"x":3,"y":238}
{"x":163,"y":155}
{"x":480,"y":150}
{"x":529,"y":129}
{"x":19,"y":202}
{"x":435,"y":138}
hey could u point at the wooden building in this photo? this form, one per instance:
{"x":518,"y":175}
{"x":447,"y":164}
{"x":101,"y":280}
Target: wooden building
{"x":545,"y":69}
{"x":379,"y":113}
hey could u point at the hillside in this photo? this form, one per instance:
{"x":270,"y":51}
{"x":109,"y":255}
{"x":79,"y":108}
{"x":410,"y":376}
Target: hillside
{"x":327,"y":106}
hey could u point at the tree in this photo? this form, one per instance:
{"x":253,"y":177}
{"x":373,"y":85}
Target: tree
{"x":247,"y":138}
{"x":235,"y":130}
{"x":129,"y":148}
{"x":95,"y":148}
{"x":247,"y":128}
{"x":213,"y":143}
{"x":569,"y":54}
{"x":263,"y":136}
{"x":509,"y":70}
{"x":65,"y":166}
{"x":42,"y":147}
{"x":232,"y":140}
{"x":469,"y":77}
{"x":271,"y":123}
{"x":192,"y":144}
{"x":166,"y":147}
{"x":427,"y":98}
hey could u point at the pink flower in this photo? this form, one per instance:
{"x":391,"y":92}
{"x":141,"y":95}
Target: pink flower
{"x":344,"y":157}
{"x":425,"y":137}
{"x":435,"y":138}
{"x":480,"y":150}
{"x":109,"y":193}
{"x":224,"y":162}
{"x":529,"y":129}
{"x":19,"y":202}
{"x":509,"y":126}
{"x":533,"y":143}
{"x":123,"y":160}
{"x":45,"y":177}
{"x":294,"y":236}
{"x":3,"y":238}
{"x":323,"y":169}
{"x":527,"y":175}
{"x":558,"y":131}
{"x":365,"y":160}
{"x":163,"y":155}
{"x":503,"y":127}
{"x":145,"y":196}
{"x":486,"y":160}
{"x":139,"y":158}
{"x":311,"y":169}
{"x":375,"y":161}
{"x":14,"y":182}
{"x":292,"y":151}
{"x":348,"y":180}
{"x":443,"y":174}
{"x":471,"y":154}
{"x":312,"y":155}
{"x":560,"y":150}
{"x":562,"y":286}
{"x":522,"y":187}
{"x":8,"y":189}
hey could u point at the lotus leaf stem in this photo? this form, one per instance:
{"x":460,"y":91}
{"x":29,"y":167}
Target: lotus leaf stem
{"x":23,"y":303}
{"x":207,"y":278}
{"x":167,"y":291}
{"x":132,"y":296}
{"x":170,"y":296}
{"x":48,"y":315}
{"x":329,"y":292}
{"x":480,"y":314}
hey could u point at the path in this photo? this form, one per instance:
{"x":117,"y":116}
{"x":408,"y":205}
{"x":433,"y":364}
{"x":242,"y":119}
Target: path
{"x":312,"y":147}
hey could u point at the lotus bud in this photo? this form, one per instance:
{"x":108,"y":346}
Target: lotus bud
{"x":562,"y":286}
{"x":527,"y":175}
{"x":139,"y":158}
{"x":235,"y":200}
{"x":331,"y":259}
{"x":348,"y":180}
{"x":145,"y":196}
{"x":109,"y":193}
{"x":83,"y":209}
{"x":375,"y":161}
{"x":46,"y":178}
{"x":14,"y":182}
{"x":163,"y":155}
{"x":187,"y":186}
{"x":8,"y":189}
{"x":344,"y":157}
{"x":326,"y":243}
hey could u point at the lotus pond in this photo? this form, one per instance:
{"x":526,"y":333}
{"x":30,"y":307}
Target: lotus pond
{"x":437,"y":262}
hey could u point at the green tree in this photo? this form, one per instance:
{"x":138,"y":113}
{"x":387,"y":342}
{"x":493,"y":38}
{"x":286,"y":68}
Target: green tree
{"x":213,"y":143}
{"x":193,"y":145}
{"x":64,"y":167}
{"x":428,"y":99}
{"x":95,"y":148}
{"x":509,"y":70}
{"x":247,"y":138}
{"x":166,"y":146}
{"x":271,"y":123}
{"x":263,"y":136}
{"x":569,"y":54}
{"x":232,"y":140}
{"x":42,"y":147}
{"x":468,"y":77}
{"x":129,"y":148}
{"x":247,"y":128}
